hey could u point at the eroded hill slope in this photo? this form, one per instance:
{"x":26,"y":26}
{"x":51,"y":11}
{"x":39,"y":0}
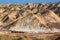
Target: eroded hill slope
{"x":32,"y":18}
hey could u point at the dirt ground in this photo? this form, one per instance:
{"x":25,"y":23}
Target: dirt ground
{"x":8,"y":35}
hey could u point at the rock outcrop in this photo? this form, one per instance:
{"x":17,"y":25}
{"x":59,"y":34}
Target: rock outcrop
{"x":32,"y":18}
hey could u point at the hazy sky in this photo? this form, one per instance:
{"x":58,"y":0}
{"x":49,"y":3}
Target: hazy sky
{"x":25,"y":1}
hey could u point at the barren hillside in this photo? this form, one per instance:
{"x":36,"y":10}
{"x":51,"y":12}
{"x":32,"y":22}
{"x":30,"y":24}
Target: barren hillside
{"x":30,"y":18}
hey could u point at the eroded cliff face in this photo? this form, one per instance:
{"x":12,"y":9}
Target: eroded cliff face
{"x":31,"y":18}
